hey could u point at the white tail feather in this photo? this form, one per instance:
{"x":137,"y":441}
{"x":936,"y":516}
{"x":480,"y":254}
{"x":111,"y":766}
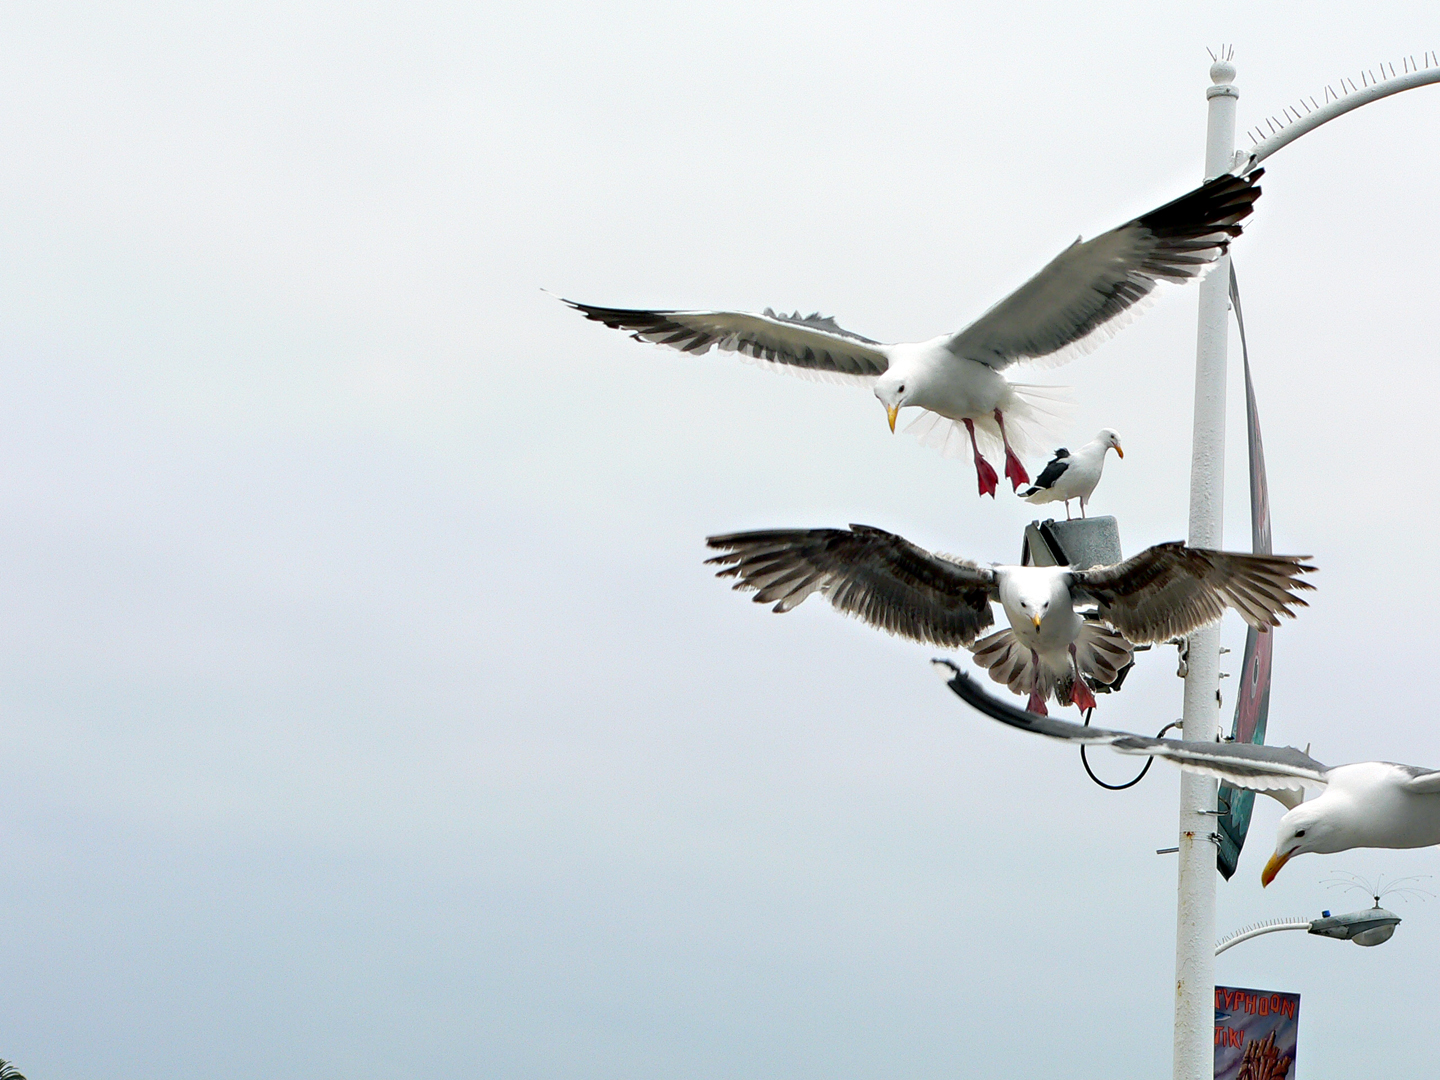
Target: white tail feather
{"x":1100,"y":651}
{"x":1034,"y":419}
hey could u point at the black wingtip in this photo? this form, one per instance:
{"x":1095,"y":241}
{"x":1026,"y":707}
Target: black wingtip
{"x":590,"y":311}
{"x":946,"y":669}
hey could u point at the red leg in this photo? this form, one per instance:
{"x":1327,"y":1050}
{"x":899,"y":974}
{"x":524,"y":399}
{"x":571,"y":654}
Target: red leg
{"x":1080,"y":694}
{"x":1014,"y":469}
{"x":989,"y":481}
{"x":1036,"y":704}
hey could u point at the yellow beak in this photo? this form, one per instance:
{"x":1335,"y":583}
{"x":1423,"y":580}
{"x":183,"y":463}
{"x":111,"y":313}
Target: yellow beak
{"x":1036,"y":620}
{"x":890,"y":411}
{"x":1119,"y":451}
{"x":1272,"y":868}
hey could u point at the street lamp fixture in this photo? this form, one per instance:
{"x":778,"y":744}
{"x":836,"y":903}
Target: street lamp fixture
{"x":1367,"y":927}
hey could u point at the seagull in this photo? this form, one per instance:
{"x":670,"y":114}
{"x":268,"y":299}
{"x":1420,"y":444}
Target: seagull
{"x":1074,"y":476}
{"x":1166,"y":590}
{"x":1083,"y":296}
{"x":1375,"y":804}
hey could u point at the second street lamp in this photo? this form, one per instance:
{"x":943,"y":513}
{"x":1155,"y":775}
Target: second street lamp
{"x":1370,"y":926}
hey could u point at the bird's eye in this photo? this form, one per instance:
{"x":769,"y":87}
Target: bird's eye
{"x":902,"y":388}
{"x":1299,"y":833}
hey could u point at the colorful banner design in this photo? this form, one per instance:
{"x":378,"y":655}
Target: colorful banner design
{"x":1255,"y":1034}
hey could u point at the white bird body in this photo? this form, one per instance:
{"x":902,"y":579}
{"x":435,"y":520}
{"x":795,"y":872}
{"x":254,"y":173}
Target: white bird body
{"x":1370,"y":804}
{"x":1367,"y":804}
{"x":1074,"y":475}
{"x":1037,"y":601}
{"x":938,"y":380}
{"x":1080,"y":298}
{"x":1043,"y":620}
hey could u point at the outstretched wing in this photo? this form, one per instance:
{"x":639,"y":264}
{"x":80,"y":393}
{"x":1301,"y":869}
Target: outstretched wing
{"x":866,"y":572}
{"x":806,"y":344}
{"x":1077,"y":299}
{"x":1268,"y":769}
{"x":1171,"y":589}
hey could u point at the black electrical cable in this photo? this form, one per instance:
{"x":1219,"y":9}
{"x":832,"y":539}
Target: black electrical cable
{"x":1138,"y":776}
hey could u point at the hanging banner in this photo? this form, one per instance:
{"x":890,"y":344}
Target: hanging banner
{"x":1255,"y":1034}
{"x":1252,"y":696}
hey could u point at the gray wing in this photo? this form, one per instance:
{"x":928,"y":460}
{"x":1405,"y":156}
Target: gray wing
{"x":1421,"y":781}
{"x":803,"y":344}
{"x":866,"y":572}
{"x":1267,"y":769}
{"x":1089,"y":285}
{"x":1171,"y":589}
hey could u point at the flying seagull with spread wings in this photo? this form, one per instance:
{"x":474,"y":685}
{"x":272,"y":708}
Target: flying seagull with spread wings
{"x":890,"y":583}
{"x":1077,"y":301}
{"x":1375,"y":804}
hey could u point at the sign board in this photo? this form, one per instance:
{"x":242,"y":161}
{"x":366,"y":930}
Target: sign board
{"x":1255,"y":1034}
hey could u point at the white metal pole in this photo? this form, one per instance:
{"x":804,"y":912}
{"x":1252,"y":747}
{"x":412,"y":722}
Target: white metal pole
{"x":1195,"y":909}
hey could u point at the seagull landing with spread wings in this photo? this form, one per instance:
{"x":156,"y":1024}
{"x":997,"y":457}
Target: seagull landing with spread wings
{"x":1081,"y":298}
{"x":1375,"y":804}
{"x":1166,"y":590}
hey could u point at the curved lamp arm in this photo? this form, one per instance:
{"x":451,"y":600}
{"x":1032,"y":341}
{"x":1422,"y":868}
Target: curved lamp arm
{"x":1264,"y":928}
{"x":1245,"y":160}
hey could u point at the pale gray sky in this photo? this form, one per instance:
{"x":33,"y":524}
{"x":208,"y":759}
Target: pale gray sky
{"x":366,"y":705}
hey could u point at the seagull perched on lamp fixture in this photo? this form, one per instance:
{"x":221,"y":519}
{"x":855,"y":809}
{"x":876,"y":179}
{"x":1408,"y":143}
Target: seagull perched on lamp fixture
{"x":1073,"y":476}
{"x":1166,"y":590}
{"x":1084,"y":295}
{"x":1374,"y":804}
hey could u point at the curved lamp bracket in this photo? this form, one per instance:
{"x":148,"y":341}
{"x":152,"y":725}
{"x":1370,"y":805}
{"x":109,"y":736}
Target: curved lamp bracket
{"x":1413,"y":76}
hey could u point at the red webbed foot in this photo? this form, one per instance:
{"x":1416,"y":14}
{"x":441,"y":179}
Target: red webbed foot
{"x":986,"y":475}
{"x":1080,"y":694}
{"x":1036,"y":704}
{"x":1014,"y":470}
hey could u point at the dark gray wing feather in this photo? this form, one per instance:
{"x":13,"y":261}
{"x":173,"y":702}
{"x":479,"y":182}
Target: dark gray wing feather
{"x":1245,"y":765}
{"x":1171,"y":589}
{"x":1092,"y":283}
{"x":804,"y":343}
{"x":1053,"y":471}
{"x":866,"y":572}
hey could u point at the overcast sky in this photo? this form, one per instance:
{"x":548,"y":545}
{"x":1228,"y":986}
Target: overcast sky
{"x":366,"y":706}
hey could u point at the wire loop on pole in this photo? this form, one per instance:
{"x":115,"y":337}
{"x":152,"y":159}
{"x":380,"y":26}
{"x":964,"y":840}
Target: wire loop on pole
{"x":1138,"y":776}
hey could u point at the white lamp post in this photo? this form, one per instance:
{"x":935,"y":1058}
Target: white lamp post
{"x":1195,"y":908}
